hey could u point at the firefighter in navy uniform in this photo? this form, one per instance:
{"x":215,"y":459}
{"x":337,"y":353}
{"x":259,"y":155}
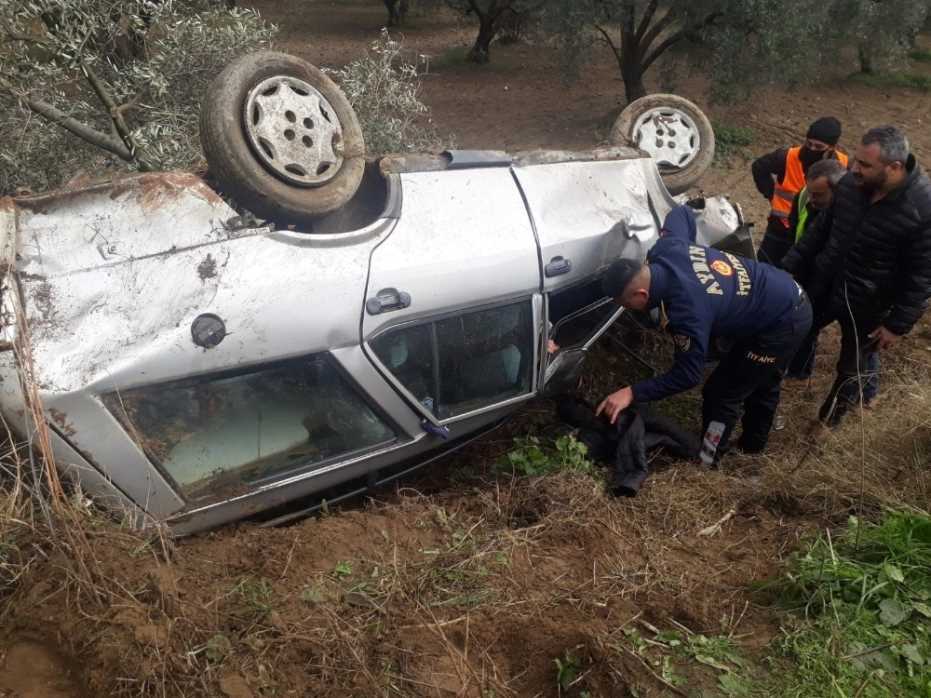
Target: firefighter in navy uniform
{"x":703,"y":293}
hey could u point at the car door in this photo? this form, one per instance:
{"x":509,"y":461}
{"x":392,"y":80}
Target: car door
{"x":577,"y":317}
{"x":586,"y":214}
{"x":453,"y":315}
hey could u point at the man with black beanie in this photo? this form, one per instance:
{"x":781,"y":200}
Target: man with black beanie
{"x":780,"y":176}
{"x":703,"y":292}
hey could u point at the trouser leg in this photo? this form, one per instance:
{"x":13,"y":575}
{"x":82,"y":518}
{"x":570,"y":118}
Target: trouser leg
{"x":852,"y":371}
{"x":722,"y":400}
{"x":803,"y":362}
{"x":749,"y":379}
{"x":777,"y":241}
{"x":759,"y":412}
{"x":871,"y":382}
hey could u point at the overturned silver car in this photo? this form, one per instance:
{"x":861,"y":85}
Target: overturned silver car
{"x":196,"y":366}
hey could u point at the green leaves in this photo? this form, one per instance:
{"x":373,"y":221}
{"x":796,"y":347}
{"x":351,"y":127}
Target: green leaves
{"x":384,"y":90}
{"x":531,"y":457}
{"x":865,"y":591}
{"x":891,"y":612}
{"x":154,"y":59}
{"x":893,"y":572}
{"x":567,"y":670}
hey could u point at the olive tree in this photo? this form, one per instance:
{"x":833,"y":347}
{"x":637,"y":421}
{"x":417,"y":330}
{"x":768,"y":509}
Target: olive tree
{"x":384,"y":90}
{"x":742,"y":43}
{"x":884,"y":31}
{"x":397,"y":11}
{"x":492,"y":16}
{"x":120,"y":77}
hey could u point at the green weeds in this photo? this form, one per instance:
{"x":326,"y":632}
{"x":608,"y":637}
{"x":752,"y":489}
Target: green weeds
{"x":910,"y":81}
{"x":254,"y":597}
{"x":568,"y":670}
{"x":343,"y":569}
{"x":730,"y":141}
{"x":532,"y":457}
{"x":864,"y":606}
{"x":670,"y":653}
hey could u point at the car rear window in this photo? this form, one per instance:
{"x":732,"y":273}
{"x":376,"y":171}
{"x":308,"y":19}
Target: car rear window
{"x":214,"y":435}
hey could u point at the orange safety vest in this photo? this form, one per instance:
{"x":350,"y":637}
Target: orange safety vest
{"x":792,"y":183}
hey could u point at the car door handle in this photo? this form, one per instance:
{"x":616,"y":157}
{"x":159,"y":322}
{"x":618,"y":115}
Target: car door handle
{"x":387,"y":300}
{"x":557,"y":267}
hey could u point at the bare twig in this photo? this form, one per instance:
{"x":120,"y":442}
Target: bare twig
{"x":115,"y":113}
{"x":69,"y":123}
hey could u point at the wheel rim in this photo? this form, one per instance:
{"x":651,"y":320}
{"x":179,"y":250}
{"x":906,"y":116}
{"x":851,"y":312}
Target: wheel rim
{"x":669,"y":135}
{"x":294,"y":131}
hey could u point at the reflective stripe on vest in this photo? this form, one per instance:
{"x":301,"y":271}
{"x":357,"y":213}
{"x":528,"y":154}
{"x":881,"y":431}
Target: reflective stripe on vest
{"x":792,"y":183}
{"x":802,"y":214}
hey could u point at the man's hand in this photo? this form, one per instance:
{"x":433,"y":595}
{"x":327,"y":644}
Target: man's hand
{"x":884,"y":338}
{"x":615,"y":403}
{"x":551,"y":346}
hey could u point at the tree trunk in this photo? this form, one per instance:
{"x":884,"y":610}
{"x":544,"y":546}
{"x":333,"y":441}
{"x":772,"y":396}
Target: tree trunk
{"x":486,"y":33}
{"x":866,"y":59}
{"x":397,"y":10}
{"x":632,"y":68}
{"x":634,"y":87}
{"x":512,"y":27}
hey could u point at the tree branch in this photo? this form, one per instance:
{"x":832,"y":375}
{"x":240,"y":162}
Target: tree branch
{"x":661,"y":48}
{"x":676,"y":37}
{"x":474,"y":7}
{"x":646,"y":19}
{"x":69,"y":123}
{"x":653,"y":33}
{"x":116,"y":115}
{"x":628,"y":17}
{"x":24,"y":38}
{"x":611,"y":44}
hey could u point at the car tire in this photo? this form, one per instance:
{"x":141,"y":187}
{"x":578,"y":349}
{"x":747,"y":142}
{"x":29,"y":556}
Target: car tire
{"x":683,"y":165}
{"x":297,"y":154}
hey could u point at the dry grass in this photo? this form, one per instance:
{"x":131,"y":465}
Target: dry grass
{"x":472,"y":589}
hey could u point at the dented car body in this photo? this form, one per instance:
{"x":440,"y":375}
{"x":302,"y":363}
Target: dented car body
{"x":196,"y":368}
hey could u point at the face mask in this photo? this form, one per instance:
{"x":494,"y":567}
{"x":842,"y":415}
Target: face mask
{"x":810,"y":157}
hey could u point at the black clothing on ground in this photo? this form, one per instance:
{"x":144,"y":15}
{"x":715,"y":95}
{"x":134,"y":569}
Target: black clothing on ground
{"x":870,"y":266}
{"x":627,"y":443}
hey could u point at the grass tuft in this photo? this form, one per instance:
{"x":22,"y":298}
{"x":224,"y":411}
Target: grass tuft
{"x":909,"y":81}
{"x":532,"y":457}
{"x":731,"y":140}
{"x":862,"y":602}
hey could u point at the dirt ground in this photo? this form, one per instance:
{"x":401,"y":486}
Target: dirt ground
{"x":466,"y":580}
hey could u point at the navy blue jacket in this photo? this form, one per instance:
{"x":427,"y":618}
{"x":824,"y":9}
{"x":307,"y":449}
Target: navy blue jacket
{"x":707,"y":293}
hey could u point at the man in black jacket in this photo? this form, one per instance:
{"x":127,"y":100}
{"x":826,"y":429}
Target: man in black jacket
{"x":869,"y":265}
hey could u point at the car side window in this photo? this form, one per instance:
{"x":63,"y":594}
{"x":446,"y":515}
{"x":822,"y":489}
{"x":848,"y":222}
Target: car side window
{"x":579,"y":313}
{"x":216,"y":434}
{"x":463,"y":363}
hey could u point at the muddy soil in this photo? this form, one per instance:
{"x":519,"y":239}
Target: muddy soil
{"x":466,"y":580}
